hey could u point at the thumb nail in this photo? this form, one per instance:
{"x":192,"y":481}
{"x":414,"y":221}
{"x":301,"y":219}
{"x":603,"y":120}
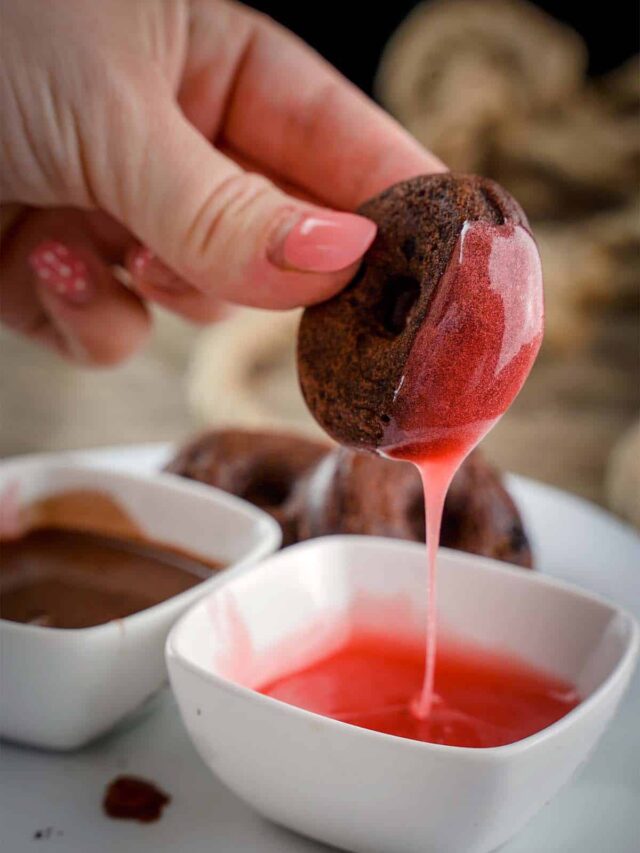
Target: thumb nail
{"x":322,"y":242}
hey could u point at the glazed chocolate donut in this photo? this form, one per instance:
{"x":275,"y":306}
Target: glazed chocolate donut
{"x":350,"y":492}
{"x":355,"y":349}
{"x":264,"y":468}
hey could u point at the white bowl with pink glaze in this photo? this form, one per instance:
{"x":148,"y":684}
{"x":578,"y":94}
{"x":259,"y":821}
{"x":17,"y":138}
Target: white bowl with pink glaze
{"x":59,"y":687}
{"x":361,"y":790}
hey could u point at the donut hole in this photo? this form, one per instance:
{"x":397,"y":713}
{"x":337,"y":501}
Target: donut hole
{"x":452,"y":527}
{"x":399,"y":296}
{"x":267,"y":488}
{"x":416,"y":518}
{"x":518,"y":538}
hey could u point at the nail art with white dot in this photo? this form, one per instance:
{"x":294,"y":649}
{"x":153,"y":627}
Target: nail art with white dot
{"x":61,"y":271}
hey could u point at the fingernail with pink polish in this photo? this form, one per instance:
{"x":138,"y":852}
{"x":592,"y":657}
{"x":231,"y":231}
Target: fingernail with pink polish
{"x":325,"y":242}
{"x":147,"y":268}
{"x":62,"y":272}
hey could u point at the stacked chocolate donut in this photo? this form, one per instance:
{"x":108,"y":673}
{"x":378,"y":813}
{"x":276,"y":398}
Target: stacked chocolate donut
{"x":313,"y":490}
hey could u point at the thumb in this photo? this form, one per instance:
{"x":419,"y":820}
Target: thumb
{"x":231,"y":234}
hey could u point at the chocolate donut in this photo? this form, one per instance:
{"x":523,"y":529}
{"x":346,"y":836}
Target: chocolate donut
{"x":357,"y":493}
{"x":354,"y":350}
{"x":312,"y":490}
{"x":481,"y":517}
{"x":264,"y":468}
{"x":350,"y":492}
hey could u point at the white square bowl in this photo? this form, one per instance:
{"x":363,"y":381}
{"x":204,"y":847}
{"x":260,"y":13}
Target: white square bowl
{"x":60,"y":688}
{"x":358,"y":789}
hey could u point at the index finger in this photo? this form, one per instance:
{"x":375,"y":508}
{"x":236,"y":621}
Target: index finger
{"x":294,"y":114}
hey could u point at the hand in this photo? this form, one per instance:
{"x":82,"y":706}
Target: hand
{"x":195,"y":142}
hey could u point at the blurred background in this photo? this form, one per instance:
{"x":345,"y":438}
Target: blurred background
{"x":544,"y":98}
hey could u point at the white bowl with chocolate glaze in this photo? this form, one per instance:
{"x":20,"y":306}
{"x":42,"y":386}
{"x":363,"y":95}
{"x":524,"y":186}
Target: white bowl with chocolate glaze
{"x":60,"y":687}
{"x":363,"y":790}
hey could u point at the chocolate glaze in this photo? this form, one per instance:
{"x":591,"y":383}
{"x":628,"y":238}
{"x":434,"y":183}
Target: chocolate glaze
{"x":81,"y":509}
{"x":132,"y":798}
{"x":77,"y":579}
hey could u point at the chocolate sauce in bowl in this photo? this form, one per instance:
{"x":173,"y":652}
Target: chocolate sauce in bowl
{"x":78,"y":577}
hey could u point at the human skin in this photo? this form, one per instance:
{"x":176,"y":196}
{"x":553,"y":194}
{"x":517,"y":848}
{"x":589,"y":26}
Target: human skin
{"x":194,"y":142}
